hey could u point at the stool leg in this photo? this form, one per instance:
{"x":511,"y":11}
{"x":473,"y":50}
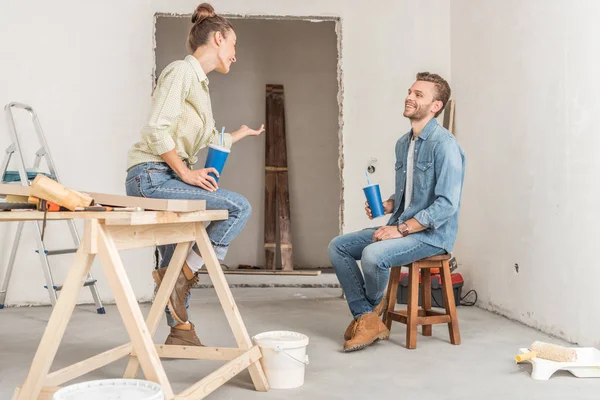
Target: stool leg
{"x":392,"y":293}
{"x":426,"y":299}
{"x":413,"y":306}
{"x":449,"y":302}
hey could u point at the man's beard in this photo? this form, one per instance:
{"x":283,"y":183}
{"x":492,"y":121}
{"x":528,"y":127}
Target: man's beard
{"x":417,"y":114}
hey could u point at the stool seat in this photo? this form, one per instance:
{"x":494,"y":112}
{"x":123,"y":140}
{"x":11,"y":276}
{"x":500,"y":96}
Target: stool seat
{"x":413,"y":316}
{"x":442,"y":257}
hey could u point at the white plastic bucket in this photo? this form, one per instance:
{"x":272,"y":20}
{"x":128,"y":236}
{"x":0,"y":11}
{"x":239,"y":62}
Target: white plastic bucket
{"x":111,"y":389}
{"x":284,"y":358}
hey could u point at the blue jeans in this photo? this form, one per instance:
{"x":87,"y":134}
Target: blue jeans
{"x":158,"y":180}
{"x":363,"y":294}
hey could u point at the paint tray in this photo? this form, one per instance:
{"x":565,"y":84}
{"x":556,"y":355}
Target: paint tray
{"x":586,"y":366}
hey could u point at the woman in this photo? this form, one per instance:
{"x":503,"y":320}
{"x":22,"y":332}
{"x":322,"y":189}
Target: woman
{"x":159,"y":165}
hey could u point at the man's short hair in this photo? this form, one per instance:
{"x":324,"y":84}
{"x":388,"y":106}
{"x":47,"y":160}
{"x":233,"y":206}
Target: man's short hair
{"x":442,"y":88}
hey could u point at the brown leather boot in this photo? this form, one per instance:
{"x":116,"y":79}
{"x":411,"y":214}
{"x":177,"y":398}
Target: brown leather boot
{"x":183,"y":335}
{"x":367,"y":330}
{"x":185,"y":282}
{"x":381,"y":307}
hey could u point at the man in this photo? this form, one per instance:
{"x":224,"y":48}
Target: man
{"x":430,"y":167}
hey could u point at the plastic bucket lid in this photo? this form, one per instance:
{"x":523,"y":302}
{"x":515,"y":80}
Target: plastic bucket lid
{"x":111,"y":389}
{"x":281,"y":339}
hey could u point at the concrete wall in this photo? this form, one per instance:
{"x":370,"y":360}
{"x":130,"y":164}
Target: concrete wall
{"x":525,"y":77}
{"x":87,"y":68}
{"x":302,"y":56}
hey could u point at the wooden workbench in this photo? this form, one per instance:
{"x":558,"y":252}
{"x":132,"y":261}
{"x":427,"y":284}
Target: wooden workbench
{"x":105,"y":233}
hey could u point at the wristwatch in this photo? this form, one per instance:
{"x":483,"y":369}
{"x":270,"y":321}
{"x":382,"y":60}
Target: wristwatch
{"x":404,"y":232}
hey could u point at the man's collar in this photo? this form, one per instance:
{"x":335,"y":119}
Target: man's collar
{"x":427,"y":130}
{"x":197,"y":68}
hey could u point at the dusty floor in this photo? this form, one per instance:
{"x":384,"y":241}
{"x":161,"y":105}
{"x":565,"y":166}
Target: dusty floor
{"x":481,"y":367}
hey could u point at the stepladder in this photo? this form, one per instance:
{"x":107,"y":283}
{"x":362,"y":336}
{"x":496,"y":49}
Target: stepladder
{"x":23,"y":176}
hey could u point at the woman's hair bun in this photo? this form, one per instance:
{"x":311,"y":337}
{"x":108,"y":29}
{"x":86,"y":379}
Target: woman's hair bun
{"x":202,"y":12}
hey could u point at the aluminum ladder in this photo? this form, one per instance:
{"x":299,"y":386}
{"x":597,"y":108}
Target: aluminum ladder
{"x":25,"y":176}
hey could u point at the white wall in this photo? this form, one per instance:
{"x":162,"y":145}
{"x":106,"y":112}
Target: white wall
{"x":87,"y":68}
{"x":525,"y":77}
{"x":302,"y":56}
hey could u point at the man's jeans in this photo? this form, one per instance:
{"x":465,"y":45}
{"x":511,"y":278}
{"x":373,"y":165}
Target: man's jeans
{"x":158,"y":180}
{"x":364,"y":294}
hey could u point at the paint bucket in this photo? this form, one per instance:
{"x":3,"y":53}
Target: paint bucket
{"x":111,"y":389}
{"x":284,"y":358}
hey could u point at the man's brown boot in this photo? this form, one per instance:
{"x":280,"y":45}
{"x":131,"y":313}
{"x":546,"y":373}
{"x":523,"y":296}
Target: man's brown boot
{"x":185,"y":282}
{"x":367,"y":330}
{"x":183,"y":335}
{"x":381,"y":307}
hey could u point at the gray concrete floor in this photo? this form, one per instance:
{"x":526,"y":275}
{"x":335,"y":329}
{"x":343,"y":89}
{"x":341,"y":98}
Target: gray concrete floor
{"x":481,"y":367}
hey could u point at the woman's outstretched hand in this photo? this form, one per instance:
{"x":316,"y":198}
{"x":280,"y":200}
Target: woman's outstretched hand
{"x":245,"y":131}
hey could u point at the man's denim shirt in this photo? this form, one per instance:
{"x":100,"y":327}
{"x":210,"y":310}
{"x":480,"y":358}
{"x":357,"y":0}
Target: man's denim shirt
{"x":439,"y":172}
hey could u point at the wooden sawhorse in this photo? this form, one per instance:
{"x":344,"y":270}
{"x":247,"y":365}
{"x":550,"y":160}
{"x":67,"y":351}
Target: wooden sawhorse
{"x":105,"y":234}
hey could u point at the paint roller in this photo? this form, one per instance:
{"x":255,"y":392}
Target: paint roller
{"x":548,"y":351}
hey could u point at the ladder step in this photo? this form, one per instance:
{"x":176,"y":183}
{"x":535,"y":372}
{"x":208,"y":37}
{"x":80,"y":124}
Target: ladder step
{"x":58,"y":252}
{"x":13,"y":176}
{"x":86,"y":283}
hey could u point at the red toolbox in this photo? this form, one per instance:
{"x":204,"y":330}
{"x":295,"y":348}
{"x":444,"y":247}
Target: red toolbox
{"x":437,"y":297}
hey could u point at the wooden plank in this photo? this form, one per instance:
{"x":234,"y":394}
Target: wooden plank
{"x":130,"y":312}
{"x":449,"y":116}
{"x":216,"y":379}
{"x":276,"y":169}
{"x":276,"y":149}
{"x":276,"y":162}
{"x":149,"y":204}
{"x":285,"y":223}
{"x":47,"y":393}
{"x":198,"y":353}
{"x":136,"y":236}
{"x":267,"y":272}
{"x":57,"y":324}
{"x":121,"y":201}
{"x":160,"y":300}
{"x":118,"y":217}
{"x":228,"y":304}
{"x":90,"y":231}
{"x":167,"y":217}
{"x":270,"y":220}
{"x":86,"y":366}
{"x":14,"y":189}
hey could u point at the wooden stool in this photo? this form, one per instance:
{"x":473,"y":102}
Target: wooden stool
{"x":413,"y":316}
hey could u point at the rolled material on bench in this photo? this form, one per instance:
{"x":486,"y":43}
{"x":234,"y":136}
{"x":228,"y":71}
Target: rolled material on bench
{"x":50,"y":190}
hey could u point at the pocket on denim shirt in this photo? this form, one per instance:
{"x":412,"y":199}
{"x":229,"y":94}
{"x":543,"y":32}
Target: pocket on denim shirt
{"x":424,"y":174}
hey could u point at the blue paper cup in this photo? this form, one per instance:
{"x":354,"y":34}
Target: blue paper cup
{"x":216,"y":158}
{"x":374,"y":199}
